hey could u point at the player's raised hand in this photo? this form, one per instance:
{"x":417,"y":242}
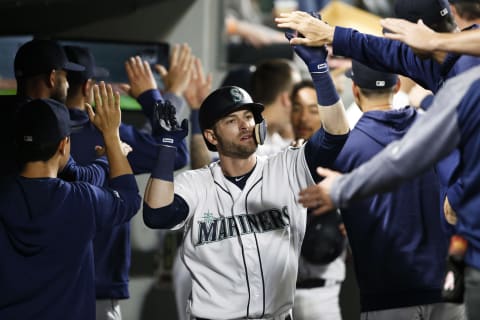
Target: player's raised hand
{"x":415,"y":35}
{"x":107,"y":114}
{"x":178,"y":76}
{"x":315,"y":31}
{"x":317,"y":196}
{"x":100,"y":150}
{"x":199,"y":87}
{"x":314,"y":57}
{"x":140,"y":77}
{"x":165,"y":124}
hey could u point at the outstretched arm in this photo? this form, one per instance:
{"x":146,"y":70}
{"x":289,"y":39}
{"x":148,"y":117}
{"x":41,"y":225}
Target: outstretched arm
{"x":438,"y":131}
{"x":107,"y":118}
{"x":420,"y":37}
{"x":160,"y":209}
{"x":324,"y":146}
{"x":377,"y":52}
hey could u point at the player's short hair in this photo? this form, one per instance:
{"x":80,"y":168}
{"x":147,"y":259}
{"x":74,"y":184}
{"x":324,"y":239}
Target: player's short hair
{"x":468,"y":10}
{"x":37,"y":152}
{"x":271,"y":78}
{"x":299,"y":86}
{"x":371,"y":93}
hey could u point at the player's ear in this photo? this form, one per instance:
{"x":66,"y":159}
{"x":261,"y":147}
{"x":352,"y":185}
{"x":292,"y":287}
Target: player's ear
{"x":63,"y":146}
{"x":355,"y":92}
{"x":52,"y":78}
{"x":397,"y":86}
{"x":209,"y":134}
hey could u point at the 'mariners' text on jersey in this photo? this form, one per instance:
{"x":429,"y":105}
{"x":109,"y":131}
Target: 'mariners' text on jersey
{"x":212,"y":229}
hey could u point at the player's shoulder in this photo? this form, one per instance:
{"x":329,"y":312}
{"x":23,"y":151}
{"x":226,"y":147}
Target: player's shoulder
{"x":198,"y":174}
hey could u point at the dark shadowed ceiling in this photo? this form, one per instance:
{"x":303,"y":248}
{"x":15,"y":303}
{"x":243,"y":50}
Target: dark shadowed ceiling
{"x":43,"y":17}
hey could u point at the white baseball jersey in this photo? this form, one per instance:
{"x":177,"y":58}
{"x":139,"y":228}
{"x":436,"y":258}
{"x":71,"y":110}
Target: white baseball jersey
{"x":242,"y":246}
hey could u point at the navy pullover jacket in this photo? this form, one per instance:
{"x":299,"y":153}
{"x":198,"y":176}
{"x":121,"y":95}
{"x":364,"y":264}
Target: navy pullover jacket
{"x":453,"y":121}
{"x":112,"y":246}
{"x":397,"y":242}
{"x":46,"y":230}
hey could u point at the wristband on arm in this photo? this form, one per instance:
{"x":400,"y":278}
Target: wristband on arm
{"x":165,"y":163}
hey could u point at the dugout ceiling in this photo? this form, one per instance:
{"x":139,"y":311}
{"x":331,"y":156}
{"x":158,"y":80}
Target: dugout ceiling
{"x":45,"y":17}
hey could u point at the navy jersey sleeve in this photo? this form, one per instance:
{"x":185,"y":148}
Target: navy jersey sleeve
{"x":166,"y":217}
{"x":116,"y":204}
{"x":322,"y":149}
{"x":451,"y":118}
{"x":147,"y":100}
{"x":387,"y":55}
{"x":95,"y":173}
{"x":144,"y":145}
{"x":145,"y":149}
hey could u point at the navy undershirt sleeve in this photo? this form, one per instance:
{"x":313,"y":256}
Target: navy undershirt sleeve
{"x":166,"y":217}
{"x":322,"y":149}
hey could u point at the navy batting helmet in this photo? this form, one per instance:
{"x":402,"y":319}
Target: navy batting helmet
{"x":323,"y":241}
{"x":224,"y":101}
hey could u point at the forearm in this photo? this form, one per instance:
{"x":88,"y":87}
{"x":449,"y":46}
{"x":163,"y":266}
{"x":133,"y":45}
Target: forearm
{"x":160,"y":188}
{"x":385,"y":55}
{"x":95,"y":173}
{"x":158,"y":193}
{"x":147,"y":100}
{"x":466,"y":42}
{"x":334,"y":119}
{"x":118,"y":162}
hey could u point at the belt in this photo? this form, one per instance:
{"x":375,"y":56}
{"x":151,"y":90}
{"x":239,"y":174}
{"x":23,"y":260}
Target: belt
{"x":316,"y":283}
{"x":288,"y":317}
{"x":284,"y":316}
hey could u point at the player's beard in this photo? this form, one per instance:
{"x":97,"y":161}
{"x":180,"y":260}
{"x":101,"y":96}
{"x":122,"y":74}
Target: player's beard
{"x":235,"y":150}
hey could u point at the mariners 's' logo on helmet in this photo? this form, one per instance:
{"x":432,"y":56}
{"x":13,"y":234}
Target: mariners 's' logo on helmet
{"x":236,"y":94}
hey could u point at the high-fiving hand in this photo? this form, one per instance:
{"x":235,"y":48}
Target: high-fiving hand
{"x":317,"y":196}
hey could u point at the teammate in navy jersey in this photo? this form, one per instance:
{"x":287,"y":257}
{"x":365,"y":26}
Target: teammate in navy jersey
{"x":397,"y":240}
{"x":112,"y":247}
{"x":41,"y":68}
{"x":48,"y":225}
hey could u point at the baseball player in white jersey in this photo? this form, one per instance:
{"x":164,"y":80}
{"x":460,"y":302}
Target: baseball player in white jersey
{"x":243,"y":224}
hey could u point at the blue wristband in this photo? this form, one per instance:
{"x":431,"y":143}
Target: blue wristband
{"x":326,"y":92}
{"x":165,"y":163}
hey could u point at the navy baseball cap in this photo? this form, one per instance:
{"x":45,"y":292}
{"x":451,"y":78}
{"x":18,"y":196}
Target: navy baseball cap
{"x":42,"y":56}
{"x":84,"y":57}
{"x":430,"y":11}
{"x":224,"y":101}
{"x":42,"y":121}
{"x":367,"y":78}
